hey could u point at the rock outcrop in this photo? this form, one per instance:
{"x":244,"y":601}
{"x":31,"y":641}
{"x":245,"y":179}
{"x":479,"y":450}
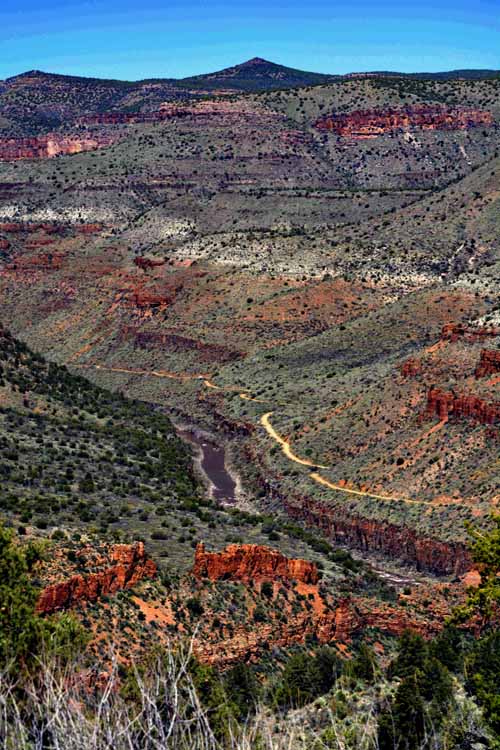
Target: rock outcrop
{"x":236,"y":110}
{"x":89,"y":228}
{"x":127,"y":565}
{"x":349,"y":617}
{"x":307,"y":610}
{"x":445,"y":404}
{"x":489,"y":363}
{"x":16,"y":227}
{"x":48,"y":146}
{"x":145,"y":300}
{"x":143,"y":339}
{"x":411,"y":368}
{"x":39,"y":262}
{"x":251,"y":562}
{"x":455,"y":331}
{"x":148,"y":263}
{"x":366,"y":124}
{"x":374,"y":536}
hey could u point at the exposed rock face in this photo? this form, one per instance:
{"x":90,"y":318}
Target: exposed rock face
{"x":251,"y":562}
{"x":489,"y":363}
{"x":89,"y":228}
{"x":411,"y":368}
{"x":350,"y":616}
{"x":14,"y":227}
{"x":172,"y":341}
{"x":39,"y":262}
{"x":48,"y":146}
{"x":365,"y":124}
{"x":445,"y":404}
{"x":325,"y":619}
{"x":144,"y":300}
{"x":122,"y":118}
{"x":147,"y":263}
{"x":455,"y":331}
{"x":129,"y":565}
{"x":397,"y":542}
{"x":199,"y":110}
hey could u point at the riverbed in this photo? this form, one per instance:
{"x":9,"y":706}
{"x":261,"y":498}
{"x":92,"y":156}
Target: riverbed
{"x":212,"y":463}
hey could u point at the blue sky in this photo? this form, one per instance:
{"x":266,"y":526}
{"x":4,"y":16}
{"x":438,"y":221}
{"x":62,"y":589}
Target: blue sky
{"x":133,"y":39}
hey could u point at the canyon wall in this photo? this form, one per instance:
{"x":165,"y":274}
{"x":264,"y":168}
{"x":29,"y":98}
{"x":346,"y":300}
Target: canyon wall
{"x":321,"y":617}
{"x":411,"y":367}
{"x":318,"y":615}
{"x":172,"y":341}
{"x":373,"y":536}
{"x":444,"y":404}
{"x":48,"y":146}
{"x":201,"y":109}
{"x":366,"y":124}
{"x":251,"y":562}
{"x":489,"y":363}
{"x":349,"y":617}
{"x":127,"y":564}
{"x":455,"y":331}
{"x":147,"y":263}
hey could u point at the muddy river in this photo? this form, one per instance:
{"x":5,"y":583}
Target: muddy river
{"x":212,"y":461}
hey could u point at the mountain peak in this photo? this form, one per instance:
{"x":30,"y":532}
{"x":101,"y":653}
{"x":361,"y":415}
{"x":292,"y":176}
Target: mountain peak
{"x":255,"y":61}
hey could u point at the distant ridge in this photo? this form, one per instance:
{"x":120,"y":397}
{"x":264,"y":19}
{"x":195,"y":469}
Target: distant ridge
{"x":449,"y":75}
{"x":256,"y":74}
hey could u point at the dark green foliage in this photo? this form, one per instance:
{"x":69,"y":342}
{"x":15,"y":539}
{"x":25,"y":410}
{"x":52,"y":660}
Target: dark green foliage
{"x":412,"y":654}
{"x":484,"y":599}
{"x":195,"y":607}
{"x":403,"y":726}
{"x":267,"y":589}
{"x":482,"y":663}
{"x":484,"y":677}
{"x":328,"y":668}
{"x":306,"y":677}
{"x":67,"y":462}
{"x":242,"y":689}
{"x":210,"y":689}
{"x":256,"y":75}
{"x":364,"y":665}
{"x":422,"y":699}
{"x":24,"y":636}
{"x":449,"y":647}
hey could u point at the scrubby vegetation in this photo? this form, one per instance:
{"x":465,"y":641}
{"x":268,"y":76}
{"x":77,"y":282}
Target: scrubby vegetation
{"x":437,"y":694}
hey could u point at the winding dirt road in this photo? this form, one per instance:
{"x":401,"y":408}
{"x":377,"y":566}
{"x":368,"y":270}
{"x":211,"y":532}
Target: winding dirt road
{"x":266,"y":424}
{"x":285,"y":445}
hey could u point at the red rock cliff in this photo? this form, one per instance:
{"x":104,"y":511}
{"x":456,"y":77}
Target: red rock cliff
{"x":48,"y":146}
{"x":129,"y":565}
{"x":444,"y":404}
{"x":147,"y":263}
{"x":363,"y":124}
{"x":455,"y":331}
{"x":411,"y":367}
{"x":489,"y":363}
{"x":251,"y":562}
